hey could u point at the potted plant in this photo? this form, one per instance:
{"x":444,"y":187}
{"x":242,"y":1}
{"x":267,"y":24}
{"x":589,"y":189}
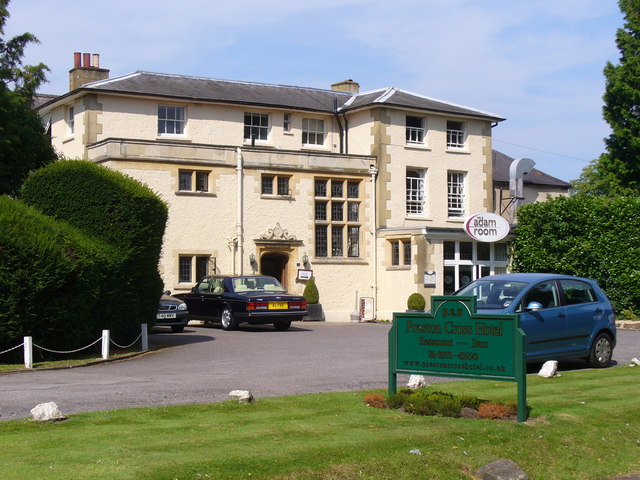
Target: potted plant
{"x":312,"y":296}
{"x":416,"y":302}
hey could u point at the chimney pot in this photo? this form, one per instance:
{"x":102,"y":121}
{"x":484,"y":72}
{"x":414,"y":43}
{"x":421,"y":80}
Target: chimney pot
{"x":86,"y":60}
{"x":76,"y":59}
{"x":96,"y":60}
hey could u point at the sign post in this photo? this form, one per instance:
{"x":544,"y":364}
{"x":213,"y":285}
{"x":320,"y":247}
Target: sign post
{"x":452,"y":340}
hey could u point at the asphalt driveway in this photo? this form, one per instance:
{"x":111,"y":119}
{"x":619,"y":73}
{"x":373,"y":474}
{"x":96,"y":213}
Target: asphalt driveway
{"x":203,"y":364}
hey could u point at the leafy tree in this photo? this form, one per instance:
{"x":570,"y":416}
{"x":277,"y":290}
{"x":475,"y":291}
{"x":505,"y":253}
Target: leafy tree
{"x":24,"y":146}
{"x":617,"y":172}
{"x":24,"y":80}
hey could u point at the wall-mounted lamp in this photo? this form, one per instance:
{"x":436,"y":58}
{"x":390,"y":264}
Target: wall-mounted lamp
{"x":305,"y":260}
{"x":252,"y":261}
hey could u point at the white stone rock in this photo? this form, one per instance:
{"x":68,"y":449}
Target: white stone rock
{"x":549,"y":369}
{"x":46,"y":412}
{"x":417,"y":381}
{"x":243,"y":396}
{"x":635,"y":362}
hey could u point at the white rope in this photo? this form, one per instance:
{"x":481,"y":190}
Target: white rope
{"x":12,"y":348}
{"x":130,"y":345}
{"x":68,"y":351}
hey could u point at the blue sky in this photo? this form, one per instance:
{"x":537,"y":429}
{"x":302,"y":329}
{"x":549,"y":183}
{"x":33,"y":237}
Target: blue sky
{"x":537,"y":63}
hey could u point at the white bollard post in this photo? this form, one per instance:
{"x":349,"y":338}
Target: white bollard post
{"x":105,"y":344}
{"x":145,"y":337}
{"x":28,"y":352}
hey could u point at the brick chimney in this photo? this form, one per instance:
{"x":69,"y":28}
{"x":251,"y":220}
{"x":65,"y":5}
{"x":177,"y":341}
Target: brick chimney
{"x":86,"y":69}
{"x":348,"y":86}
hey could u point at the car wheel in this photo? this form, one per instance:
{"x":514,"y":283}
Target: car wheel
{"x":177,"y":328}
{"x":226,"y":319}
{"x":601,"y":351}
{"x":282,"y":325}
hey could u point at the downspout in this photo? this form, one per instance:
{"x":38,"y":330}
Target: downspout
{"x":346,"y":133}
{"x":239,"y":223}
{"x":341,"y":130}
{"x":373,"y":171}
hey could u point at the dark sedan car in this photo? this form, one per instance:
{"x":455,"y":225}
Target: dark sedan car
{"x":254,"y":299}
{"x":562,"y":316}
{"x":172,"y":312}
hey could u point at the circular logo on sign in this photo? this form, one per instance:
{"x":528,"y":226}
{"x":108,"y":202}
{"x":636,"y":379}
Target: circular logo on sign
{"x":486,"y":227}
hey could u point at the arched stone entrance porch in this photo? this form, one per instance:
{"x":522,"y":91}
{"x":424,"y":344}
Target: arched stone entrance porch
{"x":277,"y":253}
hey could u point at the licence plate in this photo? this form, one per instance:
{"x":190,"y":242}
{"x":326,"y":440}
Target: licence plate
{"x":278,"y":305}
{"x":162,"y":316}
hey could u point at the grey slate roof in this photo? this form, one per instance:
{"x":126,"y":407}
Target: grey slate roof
{"x":201,"y":89}
{"x":502,"y":162}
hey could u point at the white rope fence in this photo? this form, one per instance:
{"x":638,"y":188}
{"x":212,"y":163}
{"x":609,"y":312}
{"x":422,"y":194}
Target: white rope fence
{"x":105,"y":339}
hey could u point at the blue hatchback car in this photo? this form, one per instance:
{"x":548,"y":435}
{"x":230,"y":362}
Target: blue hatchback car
{"x":562,"y":316}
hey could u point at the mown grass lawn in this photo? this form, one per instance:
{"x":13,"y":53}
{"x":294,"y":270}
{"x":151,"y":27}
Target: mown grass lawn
{"x":585,"y":425}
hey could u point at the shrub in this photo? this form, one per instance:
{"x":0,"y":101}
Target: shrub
{"x":587,"y":236}
{"x":425,"y":402}
{"x":54,"y":279}
{"x":375,"y":400}
{"x":416,"y":301}
{"x":310,"y":292}
{"x":119,"y":211}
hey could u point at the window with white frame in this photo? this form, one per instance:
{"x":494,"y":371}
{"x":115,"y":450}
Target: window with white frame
{"x":286,"y":123}
{"x":256,"y":127}
{"x":171,"y":120}
{"x":71,"y":120}
{"x":415,"y":192}
{"x":468,"y":261}
{"x":192,"y":268}
{"x":415,"y":130}
{"x":193,"y":180}
{"x":456,"y":194}
{"x":455,"y":134}
{"x":337,"y":218}
{"x":400,"y":252}
{"x":312,"y":131}
{"x":275,"y":185}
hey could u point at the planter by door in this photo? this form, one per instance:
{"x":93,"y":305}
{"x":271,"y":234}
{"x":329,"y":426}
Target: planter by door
{"x":315,"y":313}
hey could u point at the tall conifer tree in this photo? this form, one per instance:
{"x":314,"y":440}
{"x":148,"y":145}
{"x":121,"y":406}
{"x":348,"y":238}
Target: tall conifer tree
{"x":617,"y":172}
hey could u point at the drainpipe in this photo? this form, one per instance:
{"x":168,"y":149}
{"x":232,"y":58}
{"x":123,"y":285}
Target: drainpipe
{"x":239,"y":224}
{"x":373,"y":171}
{"x":340,"y":129}
{"x":346,"y":133}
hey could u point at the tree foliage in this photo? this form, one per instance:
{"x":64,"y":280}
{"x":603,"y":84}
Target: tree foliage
{"x":24,"y":145}
{"x":21,"y":79}
{"x":590,"y":236}
{"x":617,"y":172}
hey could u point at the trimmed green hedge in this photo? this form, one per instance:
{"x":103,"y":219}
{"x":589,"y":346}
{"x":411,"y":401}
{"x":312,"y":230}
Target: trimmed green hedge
{"x":52,"y":279}
{"x":588,"y":236}
{"x":118,"y":211}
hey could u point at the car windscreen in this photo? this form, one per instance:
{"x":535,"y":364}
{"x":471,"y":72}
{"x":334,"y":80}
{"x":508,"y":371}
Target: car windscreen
{"x":257,"y":284}
{"x":492,"y":294}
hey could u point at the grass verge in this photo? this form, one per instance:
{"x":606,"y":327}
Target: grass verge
{"x":585,"y":426}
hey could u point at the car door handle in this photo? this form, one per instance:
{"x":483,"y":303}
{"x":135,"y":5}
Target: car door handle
{"x":561,"y":315}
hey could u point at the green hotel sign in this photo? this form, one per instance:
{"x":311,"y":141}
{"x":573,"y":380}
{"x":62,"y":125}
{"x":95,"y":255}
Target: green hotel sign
{"x":452,"y":340}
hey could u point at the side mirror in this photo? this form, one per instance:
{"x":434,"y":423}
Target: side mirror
{"x":534,"y":307}
{"x":194,"y":290}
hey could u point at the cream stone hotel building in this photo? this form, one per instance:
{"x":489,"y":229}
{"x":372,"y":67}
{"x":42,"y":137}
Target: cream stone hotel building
{"x":366,"y":191}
